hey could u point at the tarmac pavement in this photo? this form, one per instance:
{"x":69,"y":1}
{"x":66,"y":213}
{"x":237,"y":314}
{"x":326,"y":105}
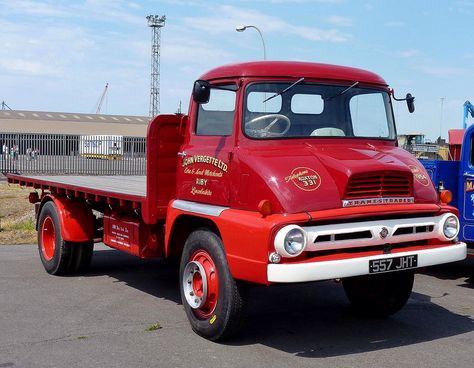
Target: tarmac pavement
{"x":103,"y":320}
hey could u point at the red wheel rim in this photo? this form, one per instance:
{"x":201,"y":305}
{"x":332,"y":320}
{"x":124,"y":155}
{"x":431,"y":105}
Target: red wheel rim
{"x":202,"y":283}
{"x":48,"y":238}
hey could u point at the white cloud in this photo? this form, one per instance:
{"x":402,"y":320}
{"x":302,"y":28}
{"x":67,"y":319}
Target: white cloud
{"x":178,"y":50}
{"x":185,"y":2}
{"x":395,"y":23}
{"x":34,"y":8}
{"x":442,"y":71}
{"x":133,"y":5}
{"x":25,"y":66}
{"x":103,"y":10}
{"x":340,"y":21}
{"x":298,"y":1}
{"x":409,"y":53}
{"x":316,"y":34}
{"x":109,"y":11}
{"x":226,"y":18}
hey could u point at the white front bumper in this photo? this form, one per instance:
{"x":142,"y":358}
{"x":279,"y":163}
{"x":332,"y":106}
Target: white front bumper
{"x":326,"y":270}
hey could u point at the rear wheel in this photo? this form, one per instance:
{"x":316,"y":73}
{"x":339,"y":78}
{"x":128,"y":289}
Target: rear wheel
{"x":212,"y":299}
{"x":60,"y":257}
{"x":379,"y":295}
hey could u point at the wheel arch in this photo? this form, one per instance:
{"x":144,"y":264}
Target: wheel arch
{"x":76,"y":218}
{"x":182,"y":227}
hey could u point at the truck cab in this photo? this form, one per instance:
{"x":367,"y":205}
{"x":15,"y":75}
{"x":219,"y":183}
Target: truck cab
{"x":295,"y":168}
{"x":289,"y":139}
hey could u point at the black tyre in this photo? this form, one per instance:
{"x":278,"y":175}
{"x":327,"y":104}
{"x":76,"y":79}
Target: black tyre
{"x":54,"y":252}
{"x":60,"y":257}
{"x":81,"y":257}
{"x":212,"y":299}
{"x":379,"y":295}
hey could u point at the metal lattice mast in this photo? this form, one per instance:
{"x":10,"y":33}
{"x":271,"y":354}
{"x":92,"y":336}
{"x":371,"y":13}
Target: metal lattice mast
{"x":5,"y":106}
{"x":156,"y":22}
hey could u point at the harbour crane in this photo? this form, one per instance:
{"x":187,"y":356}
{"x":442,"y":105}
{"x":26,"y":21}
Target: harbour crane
{"x":102,"y":98}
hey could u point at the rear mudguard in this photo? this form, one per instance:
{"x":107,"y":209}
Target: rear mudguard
{"x":76,"y":218}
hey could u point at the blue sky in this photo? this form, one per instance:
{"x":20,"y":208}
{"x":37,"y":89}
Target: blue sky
{"x":58,"y":55}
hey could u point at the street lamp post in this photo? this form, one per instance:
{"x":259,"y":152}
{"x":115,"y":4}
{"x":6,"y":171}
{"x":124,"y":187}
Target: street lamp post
{"x":441,"y":119}
{"x":243,"y":28}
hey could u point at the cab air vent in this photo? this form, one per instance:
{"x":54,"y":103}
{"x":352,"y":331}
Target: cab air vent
{"x":384,"y":185}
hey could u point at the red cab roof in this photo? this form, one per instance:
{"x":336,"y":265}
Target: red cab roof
{"x":455,"y":136}
{"x":294,"y":69}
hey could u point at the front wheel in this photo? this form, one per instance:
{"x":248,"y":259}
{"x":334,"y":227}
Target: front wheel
{"x":212,"y":299}
{"x":379,"y":295}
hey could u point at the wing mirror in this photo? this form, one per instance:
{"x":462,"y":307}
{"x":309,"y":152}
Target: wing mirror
{"x":409,"y":99}
{"x":410,"y":102}
{"x":201,"y":91}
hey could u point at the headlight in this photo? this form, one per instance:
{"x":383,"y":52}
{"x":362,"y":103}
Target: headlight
{"x":290,"y":241}
{"x":451,"y":227}
{"x":294,"y":241}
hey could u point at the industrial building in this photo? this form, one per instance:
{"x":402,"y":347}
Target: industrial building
{"x":53,"y":142}
{"x":36,"y":122}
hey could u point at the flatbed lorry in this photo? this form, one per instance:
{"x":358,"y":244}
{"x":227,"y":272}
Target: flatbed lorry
{"x":281,"y":172}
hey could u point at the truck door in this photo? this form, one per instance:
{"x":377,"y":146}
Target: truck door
{"x":467,"y":199}
{"x":204,"y":173}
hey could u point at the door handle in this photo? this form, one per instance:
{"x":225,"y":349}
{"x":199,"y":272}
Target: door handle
{"x":182,"y":154}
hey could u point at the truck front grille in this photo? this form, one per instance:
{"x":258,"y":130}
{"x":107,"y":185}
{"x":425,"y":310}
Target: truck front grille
{"x":379,"y":185}
{"x":373,"y":233}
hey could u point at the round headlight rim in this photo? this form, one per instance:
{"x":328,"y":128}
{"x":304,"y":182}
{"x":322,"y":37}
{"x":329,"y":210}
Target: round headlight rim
{"x":457,"y":226}
{"x":279,"y":240}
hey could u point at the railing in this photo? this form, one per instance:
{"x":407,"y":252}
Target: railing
{"x":72,"y":154}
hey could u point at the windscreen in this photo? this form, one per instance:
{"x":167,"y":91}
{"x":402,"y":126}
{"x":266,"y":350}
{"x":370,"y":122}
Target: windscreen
{"x":317,"y":110}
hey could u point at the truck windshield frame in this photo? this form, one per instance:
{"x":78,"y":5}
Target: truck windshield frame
{"x":317,"y":110}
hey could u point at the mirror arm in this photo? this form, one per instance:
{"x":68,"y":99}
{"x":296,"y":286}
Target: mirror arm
{"x":408,"y":97}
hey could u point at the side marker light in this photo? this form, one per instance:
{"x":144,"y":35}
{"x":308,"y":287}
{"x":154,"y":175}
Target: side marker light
{"x":265,"y":207}
{"x":445,"y":196}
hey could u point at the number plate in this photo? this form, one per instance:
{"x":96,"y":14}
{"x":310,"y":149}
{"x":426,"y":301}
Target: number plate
{"x":393,"y":264}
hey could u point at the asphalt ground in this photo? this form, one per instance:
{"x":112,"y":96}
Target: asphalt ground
{"x":104,"y":320}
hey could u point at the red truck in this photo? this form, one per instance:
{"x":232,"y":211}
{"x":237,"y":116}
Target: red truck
{"x":282,"y":172}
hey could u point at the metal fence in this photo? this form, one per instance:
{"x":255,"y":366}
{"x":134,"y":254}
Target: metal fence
{"x":61,"y":154}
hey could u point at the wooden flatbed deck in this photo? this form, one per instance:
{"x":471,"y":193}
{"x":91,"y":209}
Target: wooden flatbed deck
{"x":130,"y":185}
{"x":99,"y":188}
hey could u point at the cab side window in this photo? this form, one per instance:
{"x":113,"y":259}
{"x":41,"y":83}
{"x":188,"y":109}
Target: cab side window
{"x":217,"y":116}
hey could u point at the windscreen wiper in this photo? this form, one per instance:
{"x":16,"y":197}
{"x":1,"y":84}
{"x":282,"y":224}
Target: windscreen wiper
{"x":343,"y":91}
{"x":286,"y":89}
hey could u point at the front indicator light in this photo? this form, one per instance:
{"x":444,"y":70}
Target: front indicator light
{"x":445,"y":196}
{"x":265,"y":207}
